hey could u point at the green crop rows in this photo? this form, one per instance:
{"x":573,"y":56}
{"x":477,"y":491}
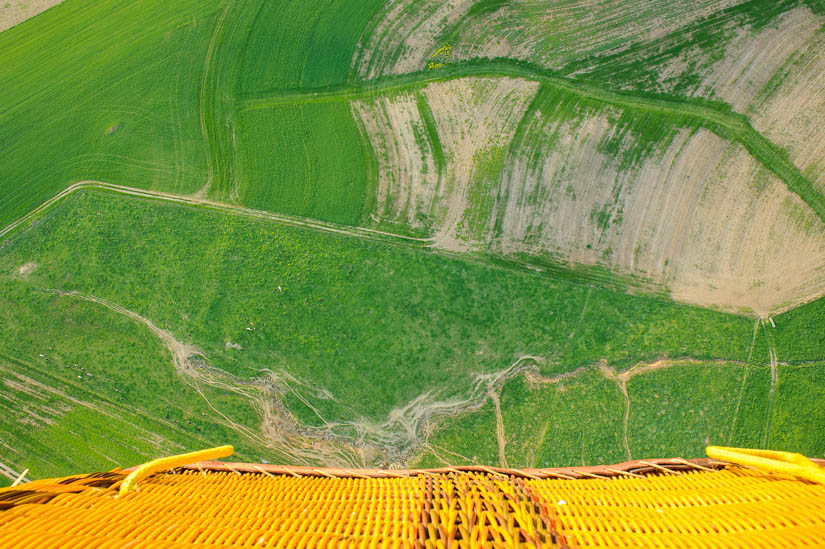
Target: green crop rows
{"x":102,"y":90}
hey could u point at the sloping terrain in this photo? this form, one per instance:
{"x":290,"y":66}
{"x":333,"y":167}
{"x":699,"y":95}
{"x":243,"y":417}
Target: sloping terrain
{"x":410,"y":231}
{"x":599,"y":180}
{"x":362,"y":340}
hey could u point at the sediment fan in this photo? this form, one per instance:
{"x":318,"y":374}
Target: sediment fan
{"x":737,"y":498}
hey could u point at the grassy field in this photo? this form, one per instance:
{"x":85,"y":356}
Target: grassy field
{"x":314,"y":50}
{"x":675,"y":411}
{"x":799,"y":334}
{"x":798,"y":416}
{"x":102,"y":90}
{"x":85,"y":388}
{"x":305,"y":160}
{"x":159,"y":109}
{"x":354,"y":329}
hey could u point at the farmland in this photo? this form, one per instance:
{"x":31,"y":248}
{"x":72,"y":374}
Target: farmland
{"x":318,"y":170}
{"x":361,"y":340}
{"x":410,"y":232}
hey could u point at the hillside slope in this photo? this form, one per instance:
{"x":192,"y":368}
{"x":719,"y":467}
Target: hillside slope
{"x":587,"y":178}
{"x":398,"y":231}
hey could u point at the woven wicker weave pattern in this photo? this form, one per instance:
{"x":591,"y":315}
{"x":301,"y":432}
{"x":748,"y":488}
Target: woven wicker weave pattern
{"x":733,"y":507}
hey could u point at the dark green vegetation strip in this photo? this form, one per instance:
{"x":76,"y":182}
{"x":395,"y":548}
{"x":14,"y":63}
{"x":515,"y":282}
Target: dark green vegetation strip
{"x":364,"y":327}
{"x":432,"y":134}
{"x":715,"y":116}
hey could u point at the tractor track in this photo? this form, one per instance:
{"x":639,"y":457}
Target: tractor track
{"x":189,"y":200}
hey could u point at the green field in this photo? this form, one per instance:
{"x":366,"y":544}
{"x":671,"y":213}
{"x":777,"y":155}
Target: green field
{"x":361,"y":327}
{"x":318,"y":169}
{"x":85,"y":388}
{"x":141,"y":324}
{"x":102,"y":90}
{"x":674,"y":411}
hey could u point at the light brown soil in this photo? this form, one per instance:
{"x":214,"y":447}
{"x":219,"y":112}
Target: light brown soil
{"x":751,"y":60}
{"x":407,"y":176}
{"x":720,"y":232}
{"x":14,"y":12}
{"x":473,"y":116}
{"x":27,"y":269}
{"x":794,"y":116}
{"x":500,"y":437}
{"x":751,"y":242}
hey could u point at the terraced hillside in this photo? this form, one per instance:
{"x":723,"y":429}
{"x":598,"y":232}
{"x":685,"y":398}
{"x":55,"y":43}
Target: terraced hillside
{"x":409,"y":231}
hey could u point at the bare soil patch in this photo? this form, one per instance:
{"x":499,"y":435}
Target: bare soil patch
{"x":751,"y":60}
{"x":14,"y":12}
{"x":27,"y":269}
{"x":793,"y":116}
{"x":720,"y":232}
{"x":473,"y":116}
{"x":407,"y":175}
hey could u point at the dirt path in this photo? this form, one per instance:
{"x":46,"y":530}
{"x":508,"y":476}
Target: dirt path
{"x":640,"y":368}
{"x":292,"y":221}
{"x":502,"y":442}
{"x":621,"y":381}
{"x":769,"y":329}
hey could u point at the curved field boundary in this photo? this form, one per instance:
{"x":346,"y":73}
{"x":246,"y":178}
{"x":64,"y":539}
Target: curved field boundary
{"x":715,"y":116}
{"x":569,"y":272}
{"x":293,"y":221}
